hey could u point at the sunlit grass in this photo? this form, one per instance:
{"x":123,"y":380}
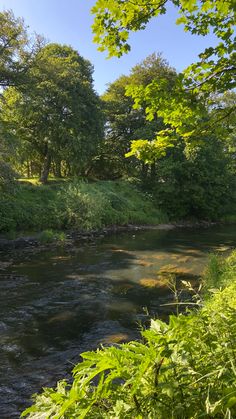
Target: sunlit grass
{"x":51,"y":180}
{"x":62,"y":204}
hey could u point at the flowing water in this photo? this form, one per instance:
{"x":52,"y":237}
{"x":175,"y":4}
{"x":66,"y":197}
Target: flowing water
{"x":56,"y":304}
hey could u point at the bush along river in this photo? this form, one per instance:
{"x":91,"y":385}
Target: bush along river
{"x":56,"y":304}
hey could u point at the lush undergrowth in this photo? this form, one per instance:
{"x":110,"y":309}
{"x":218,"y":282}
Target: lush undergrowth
{"x":75,"y":205}
{"x":183,"y":369}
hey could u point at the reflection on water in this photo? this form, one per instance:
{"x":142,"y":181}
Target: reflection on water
{"x":56,"y":305}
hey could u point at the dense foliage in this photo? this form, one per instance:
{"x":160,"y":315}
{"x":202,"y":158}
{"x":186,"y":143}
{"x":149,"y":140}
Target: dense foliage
{"x":57,"y":116}
{"x":77,"y":205}
{"x":114,"y":20}
{"x":14,"y":55}
{"x":186,"y":179}
{"x":194,"y":182}
{"x":7,"y":177}
{"x":124,"y":123}
{"x":184,"y":106}
{"x":183,"y":369}
{"x":50,"y":114}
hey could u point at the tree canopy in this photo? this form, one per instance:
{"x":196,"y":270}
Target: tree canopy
{"x":184,"y":177}
{"x":123,"y":122}
{"x":16,"y":50}
{"x":56,"y":116}
{"x":184,"y":105}
{"x":115,"y":19}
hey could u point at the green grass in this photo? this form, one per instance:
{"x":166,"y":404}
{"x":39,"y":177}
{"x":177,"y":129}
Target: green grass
{"x":79,"y":205}
{"x":185,"y":369}
{"x":35,"y":180}
{"x":231,"y":218}
{"x":49,"y":236}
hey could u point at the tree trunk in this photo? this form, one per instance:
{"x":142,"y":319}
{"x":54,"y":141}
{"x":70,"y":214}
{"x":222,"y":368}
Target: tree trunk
{"x":46,"y":168}
{"x":32,"y":169}
{"x":68,"y":170}
{"x":144,"y":171}
{"x":28,"y":169}
{"x":58,"y":169}
{"x":54,"y":169}
{"x":153,"y":170}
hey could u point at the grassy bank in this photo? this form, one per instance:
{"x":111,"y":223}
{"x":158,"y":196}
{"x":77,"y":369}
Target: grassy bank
{"x":80,"y":205}
{"x":183,"y":369}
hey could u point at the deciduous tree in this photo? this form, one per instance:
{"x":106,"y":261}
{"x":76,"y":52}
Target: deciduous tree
{"x":215,"y":71}
{"x":56,"y":116}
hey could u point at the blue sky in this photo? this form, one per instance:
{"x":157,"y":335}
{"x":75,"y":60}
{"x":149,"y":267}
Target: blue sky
{"x":69,"y":22}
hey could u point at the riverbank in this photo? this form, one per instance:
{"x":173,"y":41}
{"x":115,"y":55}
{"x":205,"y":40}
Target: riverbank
{"x":80,"y":206}
{"x":70,"y":238}
{"x":68,"y":212}
{"x":76,"y":205}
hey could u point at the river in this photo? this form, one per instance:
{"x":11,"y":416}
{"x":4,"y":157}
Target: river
{"x":56,"y":304}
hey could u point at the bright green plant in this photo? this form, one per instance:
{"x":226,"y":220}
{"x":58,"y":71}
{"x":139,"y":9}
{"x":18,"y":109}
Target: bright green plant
{"x":7,"y":177}
{"x":47,"y":236}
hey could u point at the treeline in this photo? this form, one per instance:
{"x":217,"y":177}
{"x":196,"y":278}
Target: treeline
{"x":54,"y":123}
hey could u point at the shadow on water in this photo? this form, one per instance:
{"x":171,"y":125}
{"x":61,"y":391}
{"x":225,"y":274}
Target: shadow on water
{"x":55,"y":305}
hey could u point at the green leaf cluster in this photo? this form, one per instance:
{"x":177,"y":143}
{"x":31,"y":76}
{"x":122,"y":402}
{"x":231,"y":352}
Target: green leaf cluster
{"x":149,"y":151}
{"x":14,"y":56}
{"x":114,"y":20}
{"x":182,"y":104}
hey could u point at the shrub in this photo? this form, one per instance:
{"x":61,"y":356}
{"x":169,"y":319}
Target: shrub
{"x":48,"y":236}
{"x":7,"y":176}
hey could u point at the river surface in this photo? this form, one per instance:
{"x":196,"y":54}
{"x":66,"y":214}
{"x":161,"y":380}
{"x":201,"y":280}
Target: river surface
{"x":56,"y":304}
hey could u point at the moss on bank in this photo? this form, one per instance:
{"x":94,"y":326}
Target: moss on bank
{"x":77,"y":205}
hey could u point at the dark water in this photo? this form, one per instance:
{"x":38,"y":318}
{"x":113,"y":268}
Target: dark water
{"x":54,"y":305}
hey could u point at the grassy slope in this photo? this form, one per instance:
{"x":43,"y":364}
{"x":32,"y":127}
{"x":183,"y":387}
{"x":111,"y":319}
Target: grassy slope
{"x":62,"y":205}
{"x":184,"y":369}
